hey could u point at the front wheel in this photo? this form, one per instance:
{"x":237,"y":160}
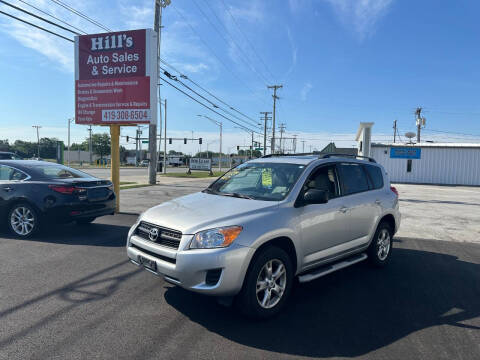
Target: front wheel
{"x":381,"y":246}
{"x":23,"y":220}
{"x":267,"y":285}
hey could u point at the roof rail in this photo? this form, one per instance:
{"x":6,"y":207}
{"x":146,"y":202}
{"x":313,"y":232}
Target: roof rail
{"x":349,"y":155}
{"x":297,"y":154}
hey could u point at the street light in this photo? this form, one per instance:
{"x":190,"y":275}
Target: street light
{"x":218,"y":123}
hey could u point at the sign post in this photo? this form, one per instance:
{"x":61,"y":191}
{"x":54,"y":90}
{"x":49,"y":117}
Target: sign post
{"x":116,"y":80}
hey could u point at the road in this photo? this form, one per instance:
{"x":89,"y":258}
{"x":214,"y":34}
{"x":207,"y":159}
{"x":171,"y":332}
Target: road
{"x":70,"y":293}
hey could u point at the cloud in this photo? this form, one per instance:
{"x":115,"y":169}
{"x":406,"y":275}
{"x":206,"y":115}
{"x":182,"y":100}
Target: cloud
{"x":294,"y":54}
{"x":305,"y":90}
{"x":361,"y":15}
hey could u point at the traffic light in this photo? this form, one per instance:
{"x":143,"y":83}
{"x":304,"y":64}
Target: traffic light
{"x":169,"y":140}
{"x":238,"y":147}
{"x":185,"y":140}
{"x":128,"y":137}
{"x":200,"y":141}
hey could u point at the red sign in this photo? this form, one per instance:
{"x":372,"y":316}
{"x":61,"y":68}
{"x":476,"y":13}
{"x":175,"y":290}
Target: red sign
{"x":115,"y":78}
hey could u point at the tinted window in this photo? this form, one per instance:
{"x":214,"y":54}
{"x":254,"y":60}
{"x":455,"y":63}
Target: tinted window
{"x":353,"y":177}
{"x":375,"y":174}
{"x":8,"y":173}
{"x":324,"y":179}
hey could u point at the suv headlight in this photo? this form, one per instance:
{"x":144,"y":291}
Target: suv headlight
{"x":215,"y":238}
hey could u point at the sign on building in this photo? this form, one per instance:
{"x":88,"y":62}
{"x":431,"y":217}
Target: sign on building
{"x":116,"y":78}
{"x":405,"y":153}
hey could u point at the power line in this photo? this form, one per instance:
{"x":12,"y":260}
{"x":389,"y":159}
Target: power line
{"x":36,"y":26}
{"x":226,"y":41}
{"x":247,"y":39}
{"x":82,"y":15}
{"x":212,"y":51}
{"x":205,"y":90}
{"x":204,"y":98}
{"x":209,"y":108}
{"x":38,"y":17}
{"x":52,"y":16}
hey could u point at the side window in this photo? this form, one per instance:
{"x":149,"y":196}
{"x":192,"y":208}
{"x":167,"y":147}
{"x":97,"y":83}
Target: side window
{"x":18,"y":175}
{"x":325,"y":179}
{"x":375,"y":175}
{"x":5,"y":173}
{"x":353,"y":177}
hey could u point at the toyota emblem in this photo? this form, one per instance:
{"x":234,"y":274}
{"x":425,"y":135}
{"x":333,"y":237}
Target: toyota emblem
{"x":153,"y":234}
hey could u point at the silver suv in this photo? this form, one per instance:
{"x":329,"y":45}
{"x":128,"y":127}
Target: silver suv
{"x":265,"y":222}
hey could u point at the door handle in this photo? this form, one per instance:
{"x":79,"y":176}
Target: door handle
{"x":343,"y":209}
{"x":7,"y":188}
{"x":378,"y":202}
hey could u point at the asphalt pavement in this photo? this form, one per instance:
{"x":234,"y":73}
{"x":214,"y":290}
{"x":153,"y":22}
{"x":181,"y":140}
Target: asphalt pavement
{"x":70,"y":293}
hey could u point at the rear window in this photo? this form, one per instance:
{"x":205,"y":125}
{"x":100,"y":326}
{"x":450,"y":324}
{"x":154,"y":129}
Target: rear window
{"x":375,"y":174}
{"x":58,"y":172}
{"x":354,"y":178}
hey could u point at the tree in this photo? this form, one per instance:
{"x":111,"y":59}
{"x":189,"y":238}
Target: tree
{"x":101,"y":144}
{"x":5,"y":146}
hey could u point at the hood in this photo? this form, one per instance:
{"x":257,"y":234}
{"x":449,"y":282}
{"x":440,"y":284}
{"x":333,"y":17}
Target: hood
{"x":200,"y":211}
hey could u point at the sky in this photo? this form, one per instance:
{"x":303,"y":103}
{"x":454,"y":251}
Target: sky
{"x":340,"y":62}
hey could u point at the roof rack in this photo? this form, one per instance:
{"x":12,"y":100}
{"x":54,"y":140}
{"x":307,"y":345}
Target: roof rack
{"x":297,"y":154}
{"x":348,"y":155}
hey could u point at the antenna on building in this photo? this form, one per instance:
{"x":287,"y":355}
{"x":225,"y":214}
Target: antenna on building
{"x":410,"y":135}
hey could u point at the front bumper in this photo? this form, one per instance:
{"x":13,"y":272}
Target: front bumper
{"x":189,"y":268}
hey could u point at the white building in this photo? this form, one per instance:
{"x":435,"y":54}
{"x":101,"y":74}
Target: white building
{"x":423,"y":163}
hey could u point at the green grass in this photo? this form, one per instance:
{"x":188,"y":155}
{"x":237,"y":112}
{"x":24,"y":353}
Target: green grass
{"x":127,"y":183}
{"x":194,"y":174}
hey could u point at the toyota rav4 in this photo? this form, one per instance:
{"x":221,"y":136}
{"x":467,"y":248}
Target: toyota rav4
{"x":263,"y":223}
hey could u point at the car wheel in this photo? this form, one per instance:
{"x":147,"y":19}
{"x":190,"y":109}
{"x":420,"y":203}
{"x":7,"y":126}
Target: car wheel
{"x":85,"y":221}
{"x":267,"y":285}
{"x":380,"y":248}
{"x":23,"y":220}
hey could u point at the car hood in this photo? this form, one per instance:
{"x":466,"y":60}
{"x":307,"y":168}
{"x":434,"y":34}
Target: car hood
{"x":192,"y":213}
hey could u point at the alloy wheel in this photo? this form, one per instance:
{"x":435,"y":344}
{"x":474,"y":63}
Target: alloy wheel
{"x":22,"y":220}
{"x":383,"y":244}
{"x":271,"y":283}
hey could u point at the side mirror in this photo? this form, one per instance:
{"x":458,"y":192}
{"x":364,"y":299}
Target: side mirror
{"x":314,"y":196}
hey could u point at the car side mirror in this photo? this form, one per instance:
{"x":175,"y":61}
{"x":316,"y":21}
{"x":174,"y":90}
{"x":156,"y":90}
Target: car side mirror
{"x":314,"y":196}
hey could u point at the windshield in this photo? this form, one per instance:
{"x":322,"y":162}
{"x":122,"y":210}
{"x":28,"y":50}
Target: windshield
{"x":58,"y":172}
{"x":259,"y":181}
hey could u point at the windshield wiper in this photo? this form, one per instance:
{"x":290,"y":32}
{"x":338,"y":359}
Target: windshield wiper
{"x":210,"y":191}
{"x":237,"y":195}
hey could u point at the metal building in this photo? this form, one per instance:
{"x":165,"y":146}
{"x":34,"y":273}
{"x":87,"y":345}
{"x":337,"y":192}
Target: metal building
{"x":430,"y":163}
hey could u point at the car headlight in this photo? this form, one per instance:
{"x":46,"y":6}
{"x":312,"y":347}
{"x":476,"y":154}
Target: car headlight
{"x":215,"y":238}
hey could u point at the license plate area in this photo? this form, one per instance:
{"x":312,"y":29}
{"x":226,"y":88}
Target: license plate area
{"x":147,"y":263}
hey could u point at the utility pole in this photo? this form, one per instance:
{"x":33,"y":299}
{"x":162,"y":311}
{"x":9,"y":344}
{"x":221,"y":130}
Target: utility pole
{"x":265,"y":118}
{"x":165,"y":140}
{"x":38,"y":139}
{"x":275,"y":97}
{"x":90,"y":142}
{"x":294,"y":144}
{"x":420,"y":121}
{"x":282,"y":130}
{"x":219,"y":124}
{"x":303,"y":146}
{"x":68,"y":147}
{"x":152,"y":134}
{"x":394,"y":130}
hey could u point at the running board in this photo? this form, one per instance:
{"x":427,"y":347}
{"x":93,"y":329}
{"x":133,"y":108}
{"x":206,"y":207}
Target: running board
{"x":324,"y":270}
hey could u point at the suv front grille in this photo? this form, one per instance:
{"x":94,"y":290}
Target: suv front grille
{"x":159,"y":235}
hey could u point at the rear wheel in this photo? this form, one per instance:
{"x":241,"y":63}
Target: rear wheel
{"x":23,"y":220}
{"x":85,"y":221}
{"x":267,"y":285}
{"x":381,"y":245}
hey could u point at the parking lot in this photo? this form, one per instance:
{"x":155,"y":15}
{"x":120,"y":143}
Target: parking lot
{"x":71,"y":293}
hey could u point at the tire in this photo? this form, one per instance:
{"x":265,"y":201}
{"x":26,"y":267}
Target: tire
{"x":85,"y":221}
{"x":380,"y":249}
{"x":277,"y":290}
{"x":23,"y":220}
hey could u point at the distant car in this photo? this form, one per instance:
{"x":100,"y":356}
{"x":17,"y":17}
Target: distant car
{"x":144,"y":163}
{"x":4,"y":155}
{"x":34,"y":194}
